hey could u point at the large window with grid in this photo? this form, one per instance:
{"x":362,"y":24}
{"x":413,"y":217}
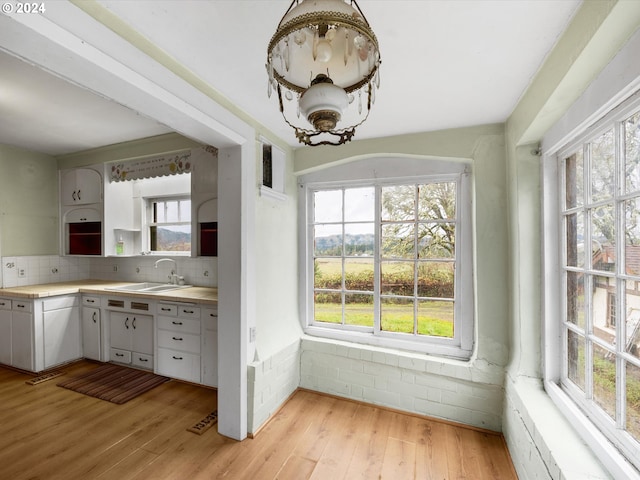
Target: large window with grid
{"x":599,"y":199}
{"x":389,"y":263}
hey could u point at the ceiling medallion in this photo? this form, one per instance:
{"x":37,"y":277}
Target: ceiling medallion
{"x":323,"y":62}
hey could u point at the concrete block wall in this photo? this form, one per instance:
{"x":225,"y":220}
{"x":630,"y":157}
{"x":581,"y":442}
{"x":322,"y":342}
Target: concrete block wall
{"x":270,"y":382}
{"x":456,"y":391}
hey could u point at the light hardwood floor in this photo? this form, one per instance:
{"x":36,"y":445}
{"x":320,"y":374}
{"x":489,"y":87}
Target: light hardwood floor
{"x":48,"y":432}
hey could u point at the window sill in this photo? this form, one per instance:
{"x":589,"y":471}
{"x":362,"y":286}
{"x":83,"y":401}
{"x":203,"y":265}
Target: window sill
{"x":438,"y":348}
{"x":273,"y":194}
{"x":605,"y":452}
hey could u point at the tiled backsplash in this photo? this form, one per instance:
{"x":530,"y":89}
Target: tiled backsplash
{"x":38,"y":269}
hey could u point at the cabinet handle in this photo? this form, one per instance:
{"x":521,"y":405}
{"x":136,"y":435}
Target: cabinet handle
{"x":79,"y":195}
{"x":73,"y":195}
{"x":126,"y":323}
{"x":177,"y":323}
{"x":140,"y":359}
{"x":119,"y":354}
{"x":213,"y":315}
{"x":177,"y":358}
{"x":89,"y":300}
{"x":178,"y":339}
{"x":164,"y":309}
{"x":94,"y":317}
{"x":19,"y":306}
{"x":134,"y":323}
{"x":187,"y":311}
{"x":2,"y":304}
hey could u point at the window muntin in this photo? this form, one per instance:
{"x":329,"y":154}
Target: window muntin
{"x":169,"y":224}
{"x":600,"y":243}
{"x":385,"y":259}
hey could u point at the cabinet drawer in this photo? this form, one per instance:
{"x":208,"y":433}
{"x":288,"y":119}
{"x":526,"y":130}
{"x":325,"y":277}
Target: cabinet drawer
{"x":21,"y":305}
{"x":91,"y":301}
{"x":141,"y":360}
{"x":210,"y":318}
{"x":185,"y":325}
{"x":185,"y":342}
{"x":120,"y":356}
{"x":167,"y":309}
{"x":188,"y":311}
{"x":184,"y":366}
{"x":5,"y":304}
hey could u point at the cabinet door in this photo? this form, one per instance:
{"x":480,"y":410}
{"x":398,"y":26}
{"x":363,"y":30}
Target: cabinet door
{"x":81,"y":186}
{"x":5,"y":337}
{"x":91,"y":333}
{"x":120,"y":330}
{"x":22,"y":340}
{"x":142,"y":332}
{"x":61,"y":336}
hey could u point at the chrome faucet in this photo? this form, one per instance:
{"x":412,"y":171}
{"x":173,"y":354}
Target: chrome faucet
{"x":173,"y":278}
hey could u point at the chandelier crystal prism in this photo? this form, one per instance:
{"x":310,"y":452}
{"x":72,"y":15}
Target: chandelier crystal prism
{"x":323,"y":63}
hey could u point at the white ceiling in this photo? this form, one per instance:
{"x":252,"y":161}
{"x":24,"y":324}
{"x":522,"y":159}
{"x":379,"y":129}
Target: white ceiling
{"x":445,"y":64}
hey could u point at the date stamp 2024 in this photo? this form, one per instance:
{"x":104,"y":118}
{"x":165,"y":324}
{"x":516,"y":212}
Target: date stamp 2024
{"x":20,"y":7}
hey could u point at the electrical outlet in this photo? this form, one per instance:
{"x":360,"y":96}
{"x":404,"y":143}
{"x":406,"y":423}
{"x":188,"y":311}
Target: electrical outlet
{"x":115,"y":268}
{"x":252,"y":334}
{"x":22,"y":272}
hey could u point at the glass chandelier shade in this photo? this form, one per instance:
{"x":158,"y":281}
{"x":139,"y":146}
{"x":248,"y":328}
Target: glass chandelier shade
{"x":323,"y":62}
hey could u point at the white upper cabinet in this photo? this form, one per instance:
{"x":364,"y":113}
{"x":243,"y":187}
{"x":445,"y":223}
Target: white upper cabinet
{"x":81,"y":186}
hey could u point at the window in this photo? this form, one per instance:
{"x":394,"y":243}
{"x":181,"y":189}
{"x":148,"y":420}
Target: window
{"x":599,"y":224}
{"x":389,"y":263}
{"x":267,"y":166}
{"x":169,"y":224}
{"x":273,"y":168}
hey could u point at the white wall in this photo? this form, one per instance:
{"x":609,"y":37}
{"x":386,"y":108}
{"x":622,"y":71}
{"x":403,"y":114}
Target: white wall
{"x":28,"y":203}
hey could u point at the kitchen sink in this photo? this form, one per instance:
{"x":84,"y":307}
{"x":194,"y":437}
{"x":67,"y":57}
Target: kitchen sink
{"x":147,"y":287}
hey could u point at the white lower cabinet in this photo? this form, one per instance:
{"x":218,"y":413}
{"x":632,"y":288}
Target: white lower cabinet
{"x":180,"y":342}
{"x":22,"y":337}
{"x":131,"y":339}
{"x":178,"y":334}
{"x":39,"y":334}
{"x":91,"y":328}
{"x":61,"y":330}
{"x":5,"y":331}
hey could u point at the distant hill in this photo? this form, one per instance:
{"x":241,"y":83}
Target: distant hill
{"x":354,"y":244}
{"x":168,"y":240}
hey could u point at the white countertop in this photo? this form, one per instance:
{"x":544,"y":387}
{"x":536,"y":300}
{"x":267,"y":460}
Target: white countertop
{"x":204,"y":295}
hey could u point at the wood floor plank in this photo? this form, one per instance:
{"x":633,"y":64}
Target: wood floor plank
{"x":296,"y":468}
{"x":336,"y":457}
{"x":431,"y":452}
{"x":399,"y":459}
{"x":48,"y":432}
{"x":367,"y":458}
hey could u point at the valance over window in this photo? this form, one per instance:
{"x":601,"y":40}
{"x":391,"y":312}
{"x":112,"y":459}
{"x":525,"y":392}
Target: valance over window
{"x":151,"y":167}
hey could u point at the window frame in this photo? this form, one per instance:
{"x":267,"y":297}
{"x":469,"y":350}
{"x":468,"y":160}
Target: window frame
{"x":614,"y":446}
{"x":356,"y":175}
{"x":148,"y":203}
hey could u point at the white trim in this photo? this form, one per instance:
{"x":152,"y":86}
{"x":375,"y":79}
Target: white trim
{"x":378,"y":172}
{"x":272,"y":194}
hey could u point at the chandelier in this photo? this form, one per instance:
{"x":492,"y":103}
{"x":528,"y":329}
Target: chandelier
{"x":323,"y":62}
